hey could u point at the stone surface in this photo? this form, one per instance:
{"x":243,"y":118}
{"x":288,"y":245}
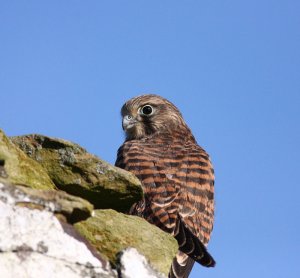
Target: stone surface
{"x":16,"y":167}
{"x":111,"y":232}
{"x":133,"y":265}
{"x":34,"y":243}
{"x":72,"y":208}
{"x":49,"y":233}
{"x":75,"y":171}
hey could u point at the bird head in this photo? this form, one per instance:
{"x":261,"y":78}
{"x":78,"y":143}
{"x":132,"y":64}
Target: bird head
{"x":149,"y":114}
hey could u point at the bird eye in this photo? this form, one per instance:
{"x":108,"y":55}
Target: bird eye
{"x":147,"y":110}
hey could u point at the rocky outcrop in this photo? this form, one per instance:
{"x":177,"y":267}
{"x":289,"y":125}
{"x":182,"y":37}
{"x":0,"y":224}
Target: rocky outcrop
{"x":132,"y":265}
{"x":111,"y":232}
{"x":34,"y":243}
{"x":46,"y":232}
{"x":17,"y":168}
{"x":77,"y":172}
{"x":70,"y":208}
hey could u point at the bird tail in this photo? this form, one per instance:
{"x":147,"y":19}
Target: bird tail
{"x":181,"y":266}
{"x":192,"y":246}
{"x":191,"y":249}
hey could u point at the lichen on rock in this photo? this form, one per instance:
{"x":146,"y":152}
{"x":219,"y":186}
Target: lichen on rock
{"x":17,"y":168}
{"x":46,"y":231}
{"x":111,"y":232}
{"x":34,"y":243}
{"x":80,"y":173}
{"x":72,"y":208}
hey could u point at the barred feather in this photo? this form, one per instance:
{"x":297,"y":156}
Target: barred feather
{"x":177,"y":178}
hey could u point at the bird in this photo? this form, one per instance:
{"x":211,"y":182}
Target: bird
{"x":176,"y":174}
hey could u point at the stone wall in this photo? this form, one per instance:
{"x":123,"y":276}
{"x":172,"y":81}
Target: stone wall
{"x":63,"y":214}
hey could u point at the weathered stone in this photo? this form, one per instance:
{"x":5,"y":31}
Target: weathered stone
{"x":17,"y":168}
{"x":72,"y":208}
{"x":111,"y":232}
{"x":132,"y":264}
{"x":33,"y":243}
{"x":77,"y":172}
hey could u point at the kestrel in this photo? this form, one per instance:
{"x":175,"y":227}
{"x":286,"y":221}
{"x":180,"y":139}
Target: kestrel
{"x":176,"y":175}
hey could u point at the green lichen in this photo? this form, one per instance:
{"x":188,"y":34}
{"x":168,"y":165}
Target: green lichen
{"x":72,"y":209}
{"x":20,"y":169}
{"x":110,"y":232}
{"x":77,"y":172}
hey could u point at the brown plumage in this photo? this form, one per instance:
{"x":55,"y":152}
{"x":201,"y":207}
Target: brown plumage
{"x":176,"y":174}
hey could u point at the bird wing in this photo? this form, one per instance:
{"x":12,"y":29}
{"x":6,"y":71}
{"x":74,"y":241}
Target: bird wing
{"x":177,"y":179}
{"x":196,"y":202}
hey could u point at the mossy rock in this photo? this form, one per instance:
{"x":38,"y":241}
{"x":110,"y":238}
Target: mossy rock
{"x":110,"y":232}
{"x":66,"y":207}
{"x":80,"y":173}
{"x":17,"y":168}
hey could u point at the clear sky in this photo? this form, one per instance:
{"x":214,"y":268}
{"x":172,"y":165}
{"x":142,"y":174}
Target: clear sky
{"x":233,"y":69}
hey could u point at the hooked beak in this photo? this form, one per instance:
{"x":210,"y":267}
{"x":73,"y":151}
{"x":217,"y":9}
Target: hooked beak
{"x":128,"y":122}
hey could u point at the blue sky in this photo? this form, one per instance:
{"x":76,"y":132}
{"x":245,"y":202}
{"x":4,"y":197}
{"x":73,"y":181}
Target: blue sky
{"x":232,"y":68}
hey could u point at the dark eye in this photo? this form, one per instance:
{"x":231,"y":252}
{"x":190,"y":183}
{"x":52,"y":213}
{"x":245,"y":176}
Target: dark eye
{"x":147,"y":110}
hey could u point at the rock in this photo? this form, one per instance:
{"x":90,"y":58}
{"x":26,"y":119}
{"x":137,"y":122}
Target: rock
{"x":34,"y":243}
{"x":71,"y":208}
{"x":111,"y":232}
{"x":77,"y":172}
{"x":133,"y":265}
{"x":17,"y":168}
{"x":49,"y":233}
